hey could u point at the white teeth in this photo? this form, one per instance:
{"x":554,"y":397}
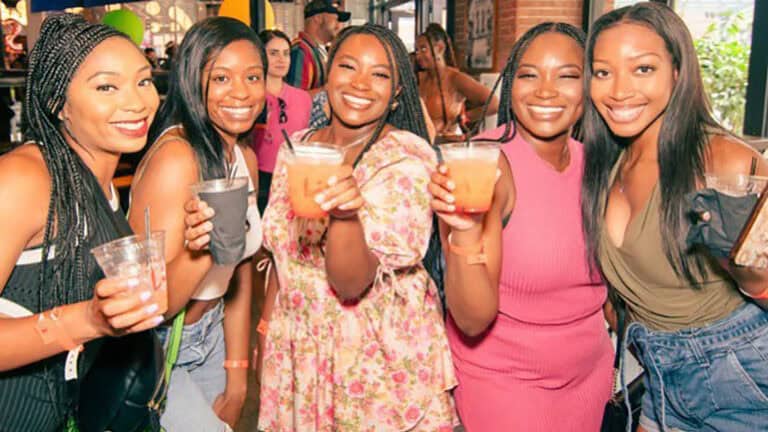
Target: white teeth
{"x":626,"y":113}
{"x":357,"y":101}
{"x":237,"y":112}
{"x":545,"y":109}
{"x":130,"y":125}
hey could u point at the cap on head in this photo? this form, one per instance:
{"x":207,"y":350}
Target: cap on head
{"x":315,"y":7}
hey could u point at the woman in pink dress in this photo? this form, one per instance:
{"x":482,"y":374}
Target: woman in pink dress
{"x":526,"y":327}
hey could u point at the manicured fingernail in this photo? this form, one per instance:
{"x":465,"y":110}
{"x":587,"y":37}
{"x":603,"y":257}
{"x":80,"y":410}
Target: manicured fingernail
{"x":325,"y":207}
{"x":209,"y":212}
{"x":132,"y":283}
{"x":145,"y":295}
{"x":443,"y":169}
{"x":159,"y":320}
{"x":319,"y":198}
{"x":451,"y":185}
{"x":453,"y":208}
{"x":332,"y":180}
{"x":450,"y":198}
{"x":208,"y":226}
{"x":149,"y":310}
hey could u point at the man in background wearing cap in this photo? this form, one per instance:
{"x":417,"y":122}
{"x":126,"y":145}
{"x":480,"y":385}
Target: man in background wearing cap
{"x":308,"y":53}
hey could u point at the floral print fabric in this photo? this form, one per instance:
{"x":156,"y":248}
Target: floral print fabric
{"x":381,"y":362}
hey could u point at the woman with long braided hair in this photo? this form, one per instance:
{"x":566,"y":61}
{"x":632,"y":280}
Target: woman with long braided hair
{"x":447,"y":91}
{"x":356,"y":338}
{"x":526,"y":330}
{"x":89,"y":98}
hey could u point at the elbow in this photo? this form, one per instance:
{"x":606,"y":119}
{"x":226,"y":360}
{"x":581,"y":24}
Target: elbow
{"x":346,"y":290}
{"x":476,"y":324}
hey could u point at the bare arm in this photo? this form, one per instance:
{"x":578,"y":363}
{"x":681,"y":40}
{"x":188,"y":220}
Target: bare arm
{"x":164,"y":187}
{"x":726,"y":155}
{"x":471,"y":290}
{"x":476,"y":95}
{"x":22,"y":225}
{"x":349,"y":263}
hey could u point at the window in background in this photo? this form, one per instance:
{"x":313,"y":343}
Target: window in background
{"x":722,"y":34}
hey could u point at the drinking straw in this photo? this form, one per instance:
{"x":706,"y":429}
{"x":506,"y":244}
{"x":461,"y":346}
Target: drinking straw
{"x":288,"y":141}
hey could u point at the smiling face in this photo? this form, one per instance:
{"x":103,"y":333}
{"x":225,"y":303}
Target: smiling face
{"x":632,"y":79}
{"x":547,"y":91}
{"x":111,"y":100}
{"x":360,"y":81}
{"x":279,"y":57}
{"x":236,"y":90}
{"x":424,"y":53}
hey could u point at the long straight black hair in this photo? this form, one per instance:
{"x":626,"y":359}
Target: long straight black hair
{"x":683,"y":137}
{"x":186,"y":101}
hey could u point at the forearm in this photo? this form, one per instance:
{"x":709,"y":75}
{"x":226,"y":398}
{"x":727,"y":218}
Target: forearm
{"x":471,"y":292}
{"x":184,"y":275}
{"x":751,"y":281}
{"x":476,"y":113}
{"x":349,"y":263}
{"x":28,"y":346}
{"x":237,"y":326}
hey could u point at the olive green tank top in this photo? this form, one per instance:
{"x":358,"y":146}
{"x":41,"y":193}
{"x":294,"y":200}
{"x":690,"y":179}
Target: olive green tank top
{"x":643,"y":276}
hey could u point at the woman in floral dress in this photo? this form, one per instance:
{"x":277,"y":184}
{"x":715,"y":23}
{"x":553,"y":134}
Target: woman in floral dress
{"x":356,"y":340}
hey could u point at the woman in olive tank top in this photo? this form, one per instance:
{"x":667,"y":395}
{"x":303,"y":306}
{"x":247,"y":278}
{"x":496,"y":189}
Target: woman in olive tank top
{"x":698,"y":324}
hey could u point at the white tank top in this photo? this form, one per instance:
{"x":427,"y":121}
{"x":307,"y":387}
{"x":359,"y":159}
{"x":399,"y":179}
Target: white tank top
{"x":216,"y":281}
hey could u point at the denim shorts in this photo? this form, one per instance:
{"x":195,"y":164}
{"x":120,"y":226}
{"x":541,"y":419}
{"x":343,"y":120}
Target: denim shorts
{"x":713,"y":378}
{"x":198,"y":376}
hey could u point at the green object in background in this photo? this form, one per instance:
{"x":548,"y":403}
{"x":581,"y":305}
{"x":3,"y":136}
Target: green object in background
{"x":127,"y":22}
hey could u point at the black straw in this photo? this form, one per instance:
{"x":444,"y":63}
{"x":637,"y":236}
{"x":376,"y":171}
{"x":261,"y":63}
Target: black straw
{"x":288,"y":141}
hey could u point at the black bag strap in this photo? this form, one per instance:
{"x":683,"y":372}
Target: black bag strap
{"x":621,"y":314}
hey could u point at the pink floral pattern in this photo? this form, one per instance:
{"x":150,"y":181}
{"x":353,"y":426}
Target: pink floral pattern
{"x":381,"y":362}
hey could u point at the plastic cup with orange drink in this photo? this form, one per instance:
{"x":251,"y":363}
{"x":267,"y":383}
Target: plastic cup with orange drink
{"x":309,"y":167}
{"x":472,"y":168}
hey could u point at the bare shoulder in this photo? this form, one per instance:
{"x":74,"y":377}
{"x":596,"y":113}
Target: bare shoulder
{"x":728,"y":154}
{"x":26,"y":184}
{"x":175,"y":160}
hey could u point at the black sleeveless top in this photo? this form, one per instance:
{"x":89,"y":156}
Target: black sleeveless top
{"x":34,"y":397}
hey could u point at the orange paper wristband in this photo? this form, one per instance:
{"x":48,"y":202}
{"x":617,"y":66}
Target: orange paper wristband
{"x":474,"y":254}
{"x":262,"y":327}
{"x":236,"y":364}
{"x":50,"y":330}
{"x":763,"y":295}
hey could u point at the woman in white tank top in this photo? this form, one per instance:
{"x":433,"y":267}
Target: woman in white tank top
{"x":217,"y":91}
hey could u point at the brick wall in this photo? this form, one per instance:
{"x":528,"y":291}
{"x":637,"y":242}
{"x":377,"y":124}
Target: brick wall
{"x":513,"y":18}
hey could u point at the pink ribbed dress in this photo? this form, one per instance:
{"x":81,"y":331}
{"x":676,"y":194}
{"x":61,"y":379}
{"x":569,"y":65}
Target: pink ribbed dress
{"x":545,"y":364}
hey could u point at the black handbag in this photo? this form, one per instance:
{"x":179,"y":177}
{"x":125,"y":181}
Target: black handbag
{"x":117,"y":391}
{"x":615,"y":416}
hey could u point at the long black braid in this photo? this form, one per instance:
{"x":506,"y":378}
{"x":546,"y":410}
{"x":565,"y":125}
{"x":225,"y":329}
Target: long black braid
{"x":506,"y":116}
{"x":407,"y":115}
{"x":65,"y":41}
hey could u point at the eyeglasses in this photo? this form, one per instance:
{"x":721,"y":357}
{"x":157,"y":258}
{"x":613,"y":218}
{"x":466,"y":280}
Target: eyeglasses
{"x":283,"y":116}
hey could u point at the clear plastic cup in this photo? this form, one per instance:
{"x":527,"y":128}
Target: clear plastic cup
{"x":135,"y":256}
{"x":736,"y":185}
{"x":309,"y":168}
{"x":229,"y":200}
{"x":473,"y":170}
